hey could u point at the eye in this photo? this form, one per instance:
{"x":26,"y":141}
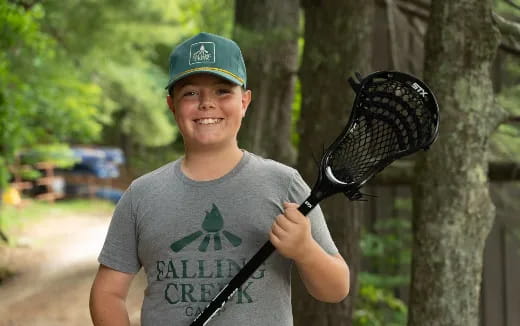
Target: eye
{"x":223,"y":90}
{"x":189,"y":93}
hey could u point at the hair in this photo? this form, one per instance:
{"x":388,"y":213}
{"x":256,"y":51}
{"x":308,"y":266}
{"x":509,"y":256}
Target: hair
{"x":170,"y":89}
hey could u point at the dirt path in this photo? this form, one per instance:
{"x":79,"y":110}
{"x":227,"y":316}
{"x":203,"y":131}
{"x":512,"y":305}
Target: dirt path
{"x":54,"y":273}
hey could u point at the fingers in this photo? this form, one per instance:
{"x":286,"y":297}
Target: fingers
{"x":286,"y":222}
{"x":275,"y":240}
{"x":293,"y":214}
{"x":290,"y":205}
{"x":290,"y":231}
{"x":292,"y":219}
{"x":281,"y":225}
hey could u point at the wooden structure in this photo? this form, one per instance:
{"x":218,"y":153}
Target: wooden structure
{"x":18,"y":183}
{"x":500,"y":299}
{"x":49,"y":181}
{"x":500,"y":288}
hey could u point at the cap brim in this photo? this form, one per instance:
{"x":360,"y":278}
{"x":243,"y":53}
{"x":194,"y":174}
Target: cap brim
{"x":223,"y":74}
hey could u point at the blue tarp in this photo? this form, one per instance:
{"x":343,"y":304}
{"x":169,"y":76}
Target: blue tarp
{"x":110,"y":194}
{"x":100,"y":162}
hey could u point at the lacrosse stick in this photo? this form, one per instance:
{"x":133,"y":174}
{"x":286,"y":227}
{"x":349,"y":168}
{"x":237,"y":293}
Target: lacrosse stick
{"x":394,"y":115}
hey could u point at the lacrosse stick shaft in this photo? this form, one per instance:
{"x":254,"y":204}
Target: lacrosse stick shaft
{"x":243,"y":275}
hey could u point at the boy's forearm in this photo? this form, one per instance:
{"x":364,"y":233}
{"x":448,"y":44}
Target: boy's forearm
{"x":108,"y":310}
{"x":326,"y":277}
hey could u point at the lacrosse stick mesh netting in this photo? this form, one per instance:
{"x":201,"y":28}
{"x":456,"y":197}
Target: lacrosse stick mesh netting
{"x":390,"y":118}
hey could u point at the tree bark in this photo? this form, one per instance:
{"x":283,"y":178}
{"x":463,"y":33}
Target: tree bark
{"x":268,"y":31}
{"x":337,"y":44}
{"x":453,"y":212}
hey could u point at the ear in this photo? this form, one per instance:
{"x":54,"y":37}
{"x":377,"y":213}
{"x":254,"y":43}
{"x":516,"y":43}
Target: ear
{"x":169,"y":100}
{"x":246,"y":100}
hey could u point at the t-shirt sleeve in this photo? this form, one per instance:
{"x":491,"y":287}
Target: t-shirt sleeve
{"x":298,"y":192}
{"x":120,"y":249}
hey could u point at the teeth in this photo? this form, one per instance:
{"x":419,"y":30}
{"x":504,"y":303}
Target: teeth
{"x":208,"y":121}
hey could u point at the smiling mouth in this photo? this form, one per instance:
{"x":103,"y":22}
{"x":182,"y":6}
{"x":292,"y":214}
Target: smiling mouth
{"x":208,"y":121}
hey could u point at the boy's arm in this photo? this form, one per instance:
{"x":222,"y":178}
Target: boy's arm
{"x":108,"y":296}
{"x":325,"y":276}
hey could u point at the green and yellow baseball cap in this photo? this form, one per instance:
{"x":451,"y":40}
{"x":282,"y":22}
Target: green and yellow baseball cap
{"x":208,"y":53}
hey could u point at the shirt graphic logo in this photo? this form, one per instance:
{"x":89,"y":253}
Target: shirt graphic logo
{"x":212,"y":226}
{"x":202,"y":52}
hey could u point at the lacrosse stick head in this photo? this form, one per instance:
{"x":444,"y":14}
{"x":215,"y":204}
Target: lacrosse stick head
{"x":394,"y":114}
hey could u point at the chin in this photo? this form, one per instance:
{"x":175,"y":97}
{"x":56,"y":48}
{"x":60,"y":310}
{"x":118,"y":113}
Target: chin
{"x":207,"y":144}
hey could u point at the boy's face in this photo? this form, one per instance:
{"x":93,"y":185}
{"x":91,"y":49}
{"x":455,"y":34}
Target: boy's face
{"x":208,"y":110}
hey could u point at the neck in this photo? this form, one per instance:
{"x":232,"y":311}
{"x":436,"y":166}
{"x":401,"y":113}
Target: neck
{"x":209,"y":165}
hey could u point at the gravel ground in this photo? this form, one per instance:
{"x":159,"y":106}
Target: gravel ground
{"x":55,"y":264}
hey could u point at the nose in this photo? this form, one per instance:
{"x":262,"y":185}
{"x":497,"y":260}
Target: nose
{"x":206,"y":101}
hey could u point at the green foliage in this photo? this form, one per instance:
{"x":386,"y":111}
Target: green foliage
{"x":213,"y":16}
{"x":148,"y":159}
{"x":114,"y":43}
{"x":140,"y":106}
{"x":378,"y":307}
{"x":387,"y":253}
{"x":388,"y":250}
{"x":296,"y":111}
{"x":505,"y":142}
{"x":502,"y":7}
{"x":19,"y":35}
{"x":58,"y":154}
{"x":28,"y":173}
{"x":4,"y":173}
{"x":43,"y":98}
{"x":20,"y":28}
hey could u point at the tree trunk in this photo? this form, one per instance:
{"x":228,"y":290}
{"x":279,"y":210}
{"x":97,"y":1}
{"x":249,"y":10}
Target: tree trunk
{"x":267,"y":31}
{"x":453,"y":212}
{"x":337,"y":43}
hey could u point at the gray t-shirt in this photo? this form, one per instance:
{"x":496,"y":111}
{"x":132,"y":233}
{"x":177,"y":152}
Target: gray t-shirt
{"x":192,"y":237}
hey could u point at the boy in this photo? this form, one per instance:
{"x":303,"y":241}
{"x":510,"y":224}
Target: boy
{"x":193,"y":223}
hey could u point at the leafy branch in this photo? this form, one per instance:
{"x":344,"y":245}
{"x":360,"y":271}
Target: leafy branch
{"x":510,"y":32}
{"x":27,"y":5}
{"x":512,"y":4}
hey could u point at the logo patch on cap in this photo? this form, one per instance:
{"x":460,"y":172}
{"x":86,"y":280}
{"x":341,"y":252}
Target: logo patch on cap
{"x":202,"y":52}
